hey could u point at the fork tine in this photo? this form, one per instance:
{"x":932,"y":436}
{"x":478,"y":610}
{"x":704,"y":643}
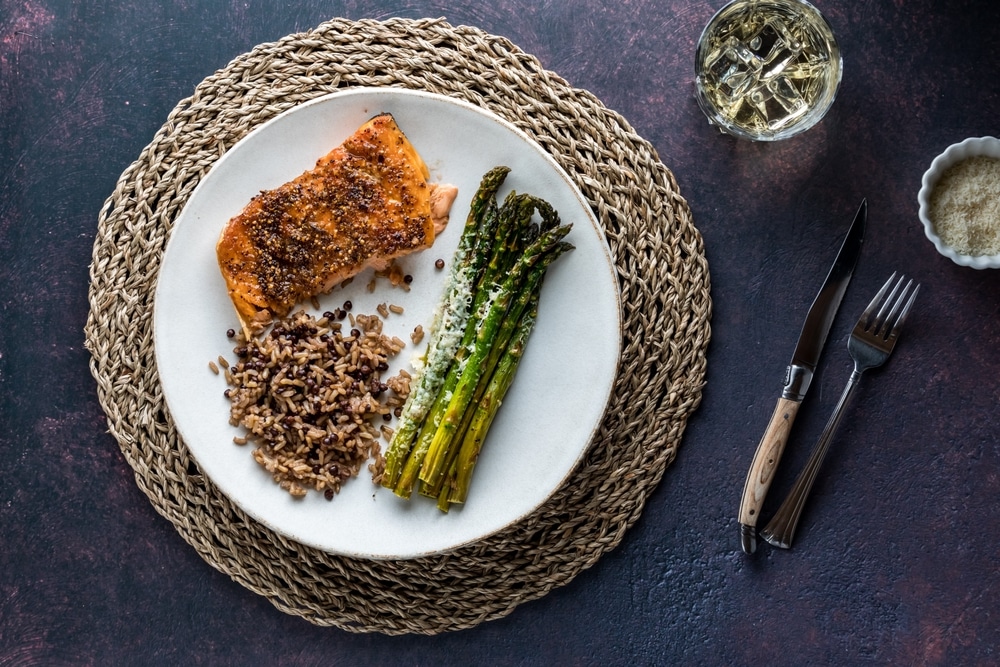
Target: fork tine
{"x":878,"y":324}
{"x":903,"y":313}
{"x":893,"y":304}
{"x":866,"y":317}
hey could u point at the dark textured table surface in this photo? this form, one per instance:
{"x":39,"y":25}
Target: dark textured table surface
{"x":898,"y":559}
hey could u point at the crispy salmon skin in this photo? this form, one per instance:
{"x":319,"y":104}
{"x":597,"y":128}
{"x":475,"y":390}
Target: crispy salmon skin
{"x":364,"y":204}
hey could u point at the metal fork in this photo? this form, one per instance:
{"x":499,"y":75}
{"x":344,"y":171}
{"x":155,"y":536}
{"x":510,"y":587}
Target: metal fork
{"x":870,"y":344}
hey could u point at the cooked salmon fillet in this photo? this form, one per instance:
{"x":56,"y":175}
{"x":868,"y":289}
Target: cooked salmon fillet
{"x":364,"y":204}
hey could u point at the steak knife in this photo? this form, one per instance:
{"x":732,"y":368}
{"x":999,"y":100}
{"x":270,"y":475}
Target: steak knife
{"x":798,"y":376}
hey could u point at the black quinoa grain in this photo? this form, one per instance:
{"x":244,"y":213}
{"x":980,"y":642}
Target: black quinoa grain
{"x":230,"y":333}
{"x":439,"y":264}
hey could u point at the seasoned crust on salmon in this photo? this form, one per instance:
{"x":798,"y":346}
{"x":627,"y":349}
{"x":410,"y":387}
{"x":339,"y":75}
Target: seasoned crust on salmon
{"x":364,"y":204}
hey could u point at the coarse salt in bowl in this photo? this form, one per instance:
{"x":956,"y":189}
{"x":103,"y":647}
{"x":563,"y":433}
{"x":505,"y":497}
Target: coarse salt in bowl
{"x":960,"y":201}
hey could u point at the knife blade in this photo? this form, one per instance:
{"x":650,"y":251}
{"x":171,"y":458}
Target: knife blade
{"x":798,"y":377}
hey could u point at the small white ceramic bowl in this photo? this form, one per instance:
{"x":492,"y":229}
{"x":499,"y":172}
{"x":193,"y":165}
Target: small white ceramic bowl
{"x":984,"y":146}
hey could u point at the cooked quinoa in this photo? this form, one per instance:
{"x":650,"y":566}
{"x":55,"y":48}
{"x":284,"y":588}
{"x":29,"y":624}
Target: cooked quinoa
{"x":311,"y":395}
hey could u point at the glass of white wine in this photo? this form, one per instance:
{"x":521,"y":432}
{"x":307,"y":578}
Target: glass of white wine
{"x":767,"y":69}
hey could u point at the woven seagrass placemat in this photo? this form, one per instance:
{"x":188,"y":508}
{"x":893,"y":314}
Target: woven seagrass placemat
{"x":662,"y":273}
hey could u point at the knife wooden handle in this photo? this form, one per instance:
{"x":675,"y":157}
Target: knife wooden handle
{"x":765,"y":461}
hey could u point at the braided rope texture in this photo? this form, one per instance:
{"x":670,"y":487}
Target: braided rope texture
{"x":662,"y":273}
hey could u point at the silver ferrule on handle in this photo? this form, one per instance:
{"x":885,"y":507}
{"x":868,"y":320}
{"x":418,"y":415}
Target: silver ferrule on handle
{"x":797,"y":381}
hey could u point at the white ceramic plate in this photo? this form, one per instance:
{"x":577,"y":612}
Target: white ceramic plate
{"x":560,"y":392}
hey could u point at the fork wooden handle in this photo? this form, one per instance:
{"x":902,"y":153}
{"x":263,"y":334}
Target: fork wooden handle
{"x":761,"y":473}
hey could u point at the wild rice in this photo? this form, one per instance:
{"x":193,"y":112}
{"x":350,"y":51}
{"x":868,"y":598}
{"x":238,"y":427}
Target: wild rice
{"x":308,"y":393}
